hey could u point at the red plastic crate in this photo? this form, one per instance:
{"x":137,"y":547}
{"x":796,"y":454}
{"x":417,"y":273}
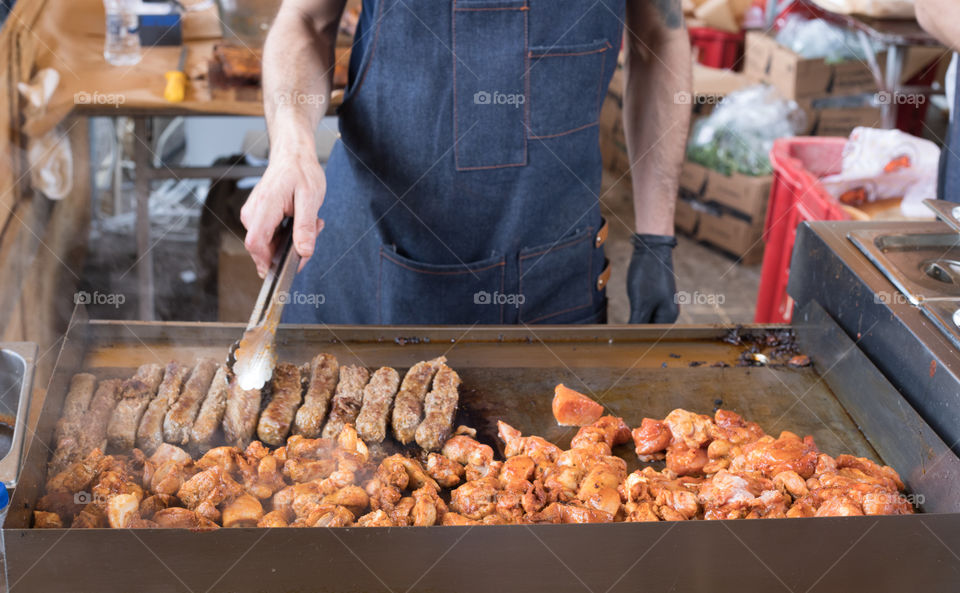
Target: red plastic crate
{"x":718,"y":49}
{"x":796,"y":196}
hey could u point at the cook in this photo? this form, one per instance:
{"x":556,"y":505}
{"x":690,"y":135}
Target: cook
{"x":465,"y":187}
{"x":941,"y":18}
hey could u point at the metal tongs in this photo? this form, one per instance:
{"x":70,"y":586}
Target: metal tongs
{"x":254,"y":356}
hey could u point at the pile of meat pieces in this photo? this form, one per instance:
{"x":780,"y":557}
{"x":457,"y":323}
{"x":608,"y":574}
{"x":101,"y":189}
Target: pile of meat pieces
{"x":225,"y":487}
{"x":727,"y":468}
{"x":720,"y":468}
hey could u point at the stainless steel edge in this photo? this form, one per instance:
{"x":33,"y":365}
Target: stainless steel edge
{"x":11,"y":462}
{"x":929,"y":468}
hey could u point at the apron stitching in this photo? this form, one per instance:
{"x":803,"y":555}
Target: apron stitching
{"x":526,"y":74}
{"x":379,"y":293}
{"x":485,"y":9}
{"x":603,"y":71}
{"x":466,"y":269}
{"x":575,"y":53}
{"x":456,"y":126}
{"x":557,"y":135}
{"x":485,"y":167}
{"x":572,"y":241}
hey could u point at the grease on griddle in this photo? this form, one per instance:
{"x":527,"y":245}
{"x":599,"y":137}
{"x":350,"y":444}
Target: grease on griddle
{"x":673,"y":355}
{"x":763,"y":348}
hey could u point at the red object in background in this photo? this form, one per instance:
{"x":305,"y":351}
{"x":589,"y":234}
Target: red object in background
{"x":718,"y":49}
{"x":910,"y":118}
{"x":796,"y":196}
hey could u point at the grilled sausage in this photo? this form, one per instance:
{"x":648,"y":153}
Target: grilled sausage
{"x":408,"y":405}
{"x":439,"y":407}
{"x":179,"y":419}
{"x":287,"y":394}
{"x":211,"y":413}
{"x":135,"y":395}
{"x":347,"y":400}
{"x":377,"y":400}
{"x":76,"y":403}
{"x":150,"y":431}
{"x":240,"y":415}
{"x":98,"y":416}
{"x":69,"y":428}
{"x":324,"y":372}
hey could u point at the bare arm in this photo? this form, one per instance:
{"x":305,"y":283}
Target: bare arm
{"x":941,"y":18}
{"x":658,"y":67}
{"x":298,"y":61}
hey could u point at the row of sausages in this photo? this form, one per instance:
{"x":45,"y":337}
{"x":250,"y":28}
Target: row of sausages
{"x":192,"y":408}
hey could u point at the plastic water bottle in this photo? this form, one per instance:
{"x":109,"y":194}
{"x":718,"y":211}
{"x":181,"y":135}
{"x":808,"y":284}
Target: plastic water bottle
{"x":122,"y":45}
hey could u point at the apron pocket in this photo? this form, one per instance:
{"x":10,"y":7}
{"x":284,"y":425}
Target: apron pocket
{"x":566,"y":87}
{"x":489,"y":91}
{"x":412,"y":292}
{"x":556,"y":280}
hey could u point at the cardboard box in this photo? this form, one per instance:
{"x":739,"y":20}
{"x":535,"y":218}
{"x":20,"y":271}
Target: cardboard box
{"x":746,"y":194}
{"x":838,"y":120}
{"x":693,"y":178}
{"x":796,"y":77}
{"x":732,"y":234}
{"x":237,"y":281}
{"x":686,"y":216}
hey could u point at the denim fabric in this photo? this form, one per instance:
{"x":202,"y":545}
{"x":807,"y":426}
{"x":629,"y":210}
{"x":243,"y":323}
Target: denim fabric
{"x":949,"y":188}
{"x":464,"y":186}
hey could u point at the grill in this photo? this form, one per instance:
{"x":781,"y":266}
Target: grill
{"x":509,"y":373}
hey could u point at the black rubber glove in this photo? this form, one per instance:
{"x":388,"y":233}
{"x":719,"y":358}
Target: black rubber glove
{"x":650,"y":281}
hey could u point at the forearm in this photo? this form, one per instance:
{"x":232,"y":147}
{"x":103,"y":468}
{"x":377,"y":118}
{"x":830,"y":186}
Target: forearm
{"x":941,"y":18}
{"x":298,"y":60}
{"x":658,"y":67}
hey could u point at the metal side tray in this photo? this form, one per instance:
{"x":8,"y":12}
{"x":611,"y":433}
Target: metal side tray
{"x":17,"y":361}
{"x":509,"y":373}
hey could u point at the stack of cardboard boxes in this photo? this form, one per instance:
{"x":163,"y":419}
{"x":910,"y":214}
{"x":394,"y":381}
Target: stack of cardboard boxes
{"x":835,"y":96}
{"x":726,"y":211}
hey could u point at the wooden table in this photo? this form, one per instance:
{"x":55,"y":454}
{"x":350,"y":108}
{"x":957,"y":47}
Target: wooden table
{"x":69,"y":36}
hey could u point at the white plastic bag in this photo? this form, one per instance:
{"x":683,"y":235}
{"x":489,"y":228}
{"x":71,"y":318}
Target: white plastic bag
{"x":880,"y":164}
{"x":889,"y":9}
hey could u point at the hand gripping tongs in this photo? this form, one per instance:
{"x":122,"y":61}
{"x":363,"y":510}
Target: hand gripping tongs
{"x":254,"y":356}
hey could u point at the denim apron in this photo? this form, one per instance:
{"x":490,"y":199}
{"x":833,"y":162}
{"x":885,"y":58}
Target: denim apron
{"x":949,"y":188}
{"x":464,"y":187}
